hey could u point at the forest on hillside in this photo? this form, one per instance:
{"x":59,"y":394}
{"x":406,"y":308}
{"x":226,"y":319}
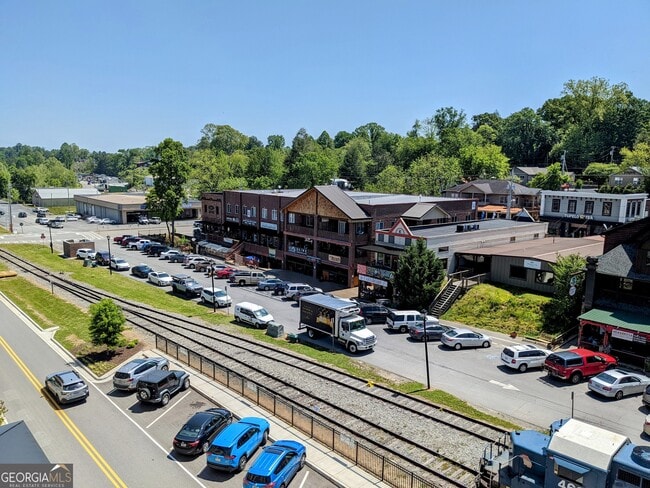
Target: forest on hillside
{"x":593,"y":127}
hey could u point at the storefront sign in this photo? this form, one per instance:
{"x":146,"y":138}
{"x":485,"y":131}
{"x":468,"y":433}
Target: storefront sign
{"x":622,"y":334}
{"x":271,"y":252}
{"x":249,"y":222}
{"x":228,"y":240}
{"x":334,"y":259}
{"x":232,"y":219}
{"x":268,"y":225}
{"x":531,"y":264}
{"x":374,"y":281}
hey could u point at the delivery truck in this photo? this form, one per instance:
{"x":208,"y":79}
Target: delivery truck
{"x":327,"y":315}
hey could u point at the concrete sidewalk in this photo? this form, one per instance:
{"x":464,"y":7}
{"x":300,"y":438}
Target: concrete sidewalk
{"x":321,"y":459}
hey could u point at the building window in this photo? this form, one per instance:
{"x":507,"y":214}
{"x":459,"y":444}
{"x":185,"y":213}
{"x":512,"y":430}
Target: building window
{"x":555,"y":205}
{"x":513,"y":239}
{"x":265,"y":213}
{"x":253,"y":211}
{"x":536,"y":236}
{"x":607,"y":209}
{"x":342,"y":227}
{"x":517,"y":272}
{"x":228,"y":208}
{"x":236,"y":209}
{"x":380,"y":237}
{"x":291,"y":218}
{"x":636,"y":181}
{"x":618,"y":180}
{"x":443,"y":249}
{"x":360,"y":229}
{"x":572,"y":206}
{"x":274,"y":214}
{"x":407,"y":241}
{"x":391,"y":239}
{"x":589,"y":207}
{"x":379,"y":225}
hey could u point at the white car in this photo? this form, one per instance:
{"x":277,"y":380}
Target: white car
{"x":212,"y":295}
{"x":459,"y":338}
{"x":524,"y":356}
{"x":84,"y":253}
{"x":160,"y":278}
{"x":119,"y":264}
{"x":170,"y":253}
{"x":138,"y":244}
{"x":617,"y":383}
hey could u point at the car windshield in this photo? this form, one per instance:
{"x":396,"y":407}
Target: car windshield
{"x":261,"y":312}
{"x":72,"y":386}
{"x":607,"y":378}
{"x":452,"y":333}
{"x":163,"y":275}
{"x":357,"y":324}
{"x":220,"y":293}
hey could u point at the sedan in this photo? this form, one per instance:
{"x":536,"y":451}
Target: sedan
{"x":225,"y":273}
{"x":269,"y":284}
{"x":169,"y":254}
{"x":459,"y":338}
{"x":141,"y":270}
{"x":197,"y":434}
{"x":160,"y":278}
{"x":67,"y":386}
{"x":84,"y":253}
{"x":617,"y":383}
{"x":119,"y":264}
{"x":434,"y":332}
{"x":276,"y":465}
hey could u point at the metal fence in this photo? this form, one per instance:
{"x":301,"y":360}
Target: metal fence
{"x":281,"y":407}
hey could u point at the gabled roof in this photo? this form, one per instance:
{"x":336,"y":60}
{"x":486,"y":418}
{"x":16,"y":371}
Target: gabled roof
{"x":18,"y":445}
{"x":530,"y":170}
{"x":342,"y":201}
{"x":425,"y":211}
{"x":632,"y":170}
{"x":620,"y":262}
{"x":493,"y":187}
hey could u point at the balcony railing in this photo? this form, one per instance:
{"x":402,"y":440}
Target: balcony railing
{"x":299,"y":229}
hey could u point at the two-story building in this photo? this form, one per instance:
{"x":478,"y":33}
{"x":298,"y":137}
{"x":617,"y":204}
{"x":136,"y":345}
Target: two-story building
{"x":498,"y":198}
{"x":584,"y":213}
{"x":632,"y":176}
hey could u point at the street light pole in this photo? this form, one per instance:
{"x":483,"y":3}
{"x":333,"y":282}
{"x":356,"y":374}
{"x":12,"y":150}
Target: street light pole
{"x":426,"y":346}
{"x":51,"y":244}
{"x":214,"y":298}
{"x":108,"y":240}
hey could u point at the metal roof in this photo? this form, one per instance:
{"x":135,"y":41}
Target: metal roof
{"x":625,"y":320}
{"x":64,"y":192}
{"x":545,"y":249}
{"x":484,"y":225}
{"x":18,"y":445}
{"x":620,"y":262}
{"x":420,"y":210}
{"x":494,"y":187}
{"x":342,"y":201}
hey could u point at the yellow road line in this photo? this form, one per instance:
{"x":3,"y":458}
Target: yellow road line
{"x":101,"y":463}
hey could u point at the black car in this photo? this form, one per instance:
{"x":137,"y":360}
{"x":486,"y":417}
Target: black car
{"x":197,"y":434}
{"x":157,"y":249}
{"x":373,"y":313}
{"x":22,"y":215}
{"x":141,"y":270}
{"x":102,"y":258}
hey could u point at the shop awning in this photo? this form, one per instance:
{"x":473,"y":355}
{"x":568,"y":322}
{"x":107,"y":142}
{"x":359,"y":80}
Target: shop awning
{"x":392,"y":252}
{"x":624,"y":320}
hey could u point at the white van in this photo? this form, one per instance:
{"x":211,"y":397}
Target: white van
{"x":403,"y":319}
{"x":252,"y":314}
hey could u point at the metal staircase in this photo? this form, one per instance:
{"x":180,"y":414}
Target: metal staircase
{"x":457,"y":284}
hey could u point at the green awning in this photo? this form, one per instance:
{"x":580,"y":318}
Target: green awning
{"x":624,"y":320}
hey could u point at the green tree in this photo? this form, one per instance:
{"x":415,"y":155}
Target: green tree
{"x":325,"y":140}
{"x":170,"y":170}
{"x":526,"y":138}
{"x":390,"y":180}
{"x":639,"y":156}
{"x":355,"y":160}
{"x":484,"y":162}
{"x":3,"y":412}
{"x":418,"y":277}
{"x":599,"y":172}
{"x":106,"y":323}
{"x":431,"y":174}
{"x":562,"y":311}
{"x":275,"y":142}
{"x":553,"y":179}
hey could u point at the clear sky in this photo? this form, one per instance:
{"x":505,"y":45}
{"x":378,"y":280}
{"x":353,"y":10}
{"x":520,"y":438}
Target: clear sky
{"x":109,"y":75}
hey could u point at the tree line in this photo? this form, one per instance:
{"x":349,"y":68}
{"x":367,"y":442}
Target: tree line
{"x":594,"y":127}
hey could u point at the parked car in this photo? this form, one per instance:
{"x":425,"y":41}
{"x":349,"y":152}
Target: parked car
{"x":198,"y":432}
{"x":169,"y":253}
{"x":459,"y":338}
{"x":118,"y":239}
{"x":434,"y":331}
{"x":203,"y":266}
{"x":157,"y":249}
{"x":160,"y":278}
{"x":576,"y":364}
{"x":142,"y":220}
{"x":269,"y":284}
{"x":212,"y":295}
{"x":42,"y":220}
{"x":154,"y":220}
{"x":193,"y":261}
{"x":186,"y":285}
{"x":103,"y":258}
{"x":22,"y":215}
{"x":305,"y":293}
{"x":67,"y":386}
{"x":159,"y":386}
{"x":225,"y":273}
{"x":524,"y":356}
{"x":401,"y":320}
{"x":55,"y":224}
{"x":141,"y":270}
{"x":243,"y":277}
{"x":177,"y":258}
{"x":617,"y":383}
{"x":138,"y":244}
{"x":374,"y":313}
{"x":106,"y":222}
{"x":292,"y":288}
{"x":85,"y":252}
{"x":119,"y":264}
{"x":252,"y":314}
{"x":276,"y":465}
{"x":126,"y":378}
{"x":233,"y":446}
{"x":126,"y":242}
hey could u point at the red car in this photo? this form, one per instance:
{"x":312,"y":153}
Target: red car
{"x":577,"y":364}
{"x":224,"y":273}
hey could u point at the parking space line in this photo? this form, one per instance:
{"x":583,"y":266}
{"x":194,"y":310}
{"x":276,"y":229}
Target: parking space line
{"x":168,"y":410}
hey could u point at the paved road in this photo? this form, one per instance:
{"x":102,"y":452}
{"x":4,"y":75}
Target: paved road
{"x":473,"y":375}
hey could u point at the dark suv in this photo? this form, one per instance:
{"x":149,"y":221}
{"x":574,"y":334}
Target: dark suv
{"x":576,"y":364}
{"x":158,"y":386}
{"x":373,"y":313}
{"x":157,"y":249}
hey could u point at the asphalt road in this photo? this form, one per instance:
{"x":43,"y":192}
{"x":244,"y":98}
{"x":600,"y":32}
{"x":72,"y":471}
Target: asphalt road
{"x":474,"y":375}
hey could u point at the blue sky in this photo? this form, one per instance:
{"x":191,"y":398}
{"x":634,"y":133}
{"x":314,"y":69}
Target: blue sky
{"x":110,"y":75}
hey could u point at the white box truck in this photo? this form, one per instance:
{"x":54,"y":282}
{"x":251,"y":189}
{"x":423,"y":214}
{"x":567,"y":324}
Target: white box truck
{"x":337,"y":318}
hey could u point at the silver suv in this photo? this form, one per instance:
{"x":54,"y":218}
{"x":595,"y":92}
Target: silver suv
{"x":67,"y":386}
{"x":126,"y":378}
{"x":524,"y":356}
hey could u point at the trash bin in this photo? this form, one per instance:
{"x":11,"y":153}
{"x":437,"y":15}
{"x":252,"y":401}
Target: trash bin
{"x":86,"y":262}
{"x":292,"y":338}
{"x":274,"y":329}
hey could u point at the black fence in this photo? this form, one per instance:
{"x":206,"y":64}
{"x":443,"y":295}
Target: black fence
{"x":281,"y":407}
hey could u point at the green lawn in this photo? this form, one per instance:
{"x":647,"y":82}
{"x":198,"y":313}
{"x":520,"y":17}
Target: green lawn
{"x":49,"y":310}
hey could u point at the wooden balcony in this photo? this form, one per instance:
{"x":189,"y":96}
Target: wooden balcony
{"x":299,"y":229}
{"x":333,"y":258}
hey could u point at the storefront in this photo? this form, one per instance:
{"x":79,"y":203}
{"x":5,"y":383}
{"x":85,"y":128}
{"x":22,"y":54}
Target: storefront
{"x":375,"y":283}
{"x":624,"y":335}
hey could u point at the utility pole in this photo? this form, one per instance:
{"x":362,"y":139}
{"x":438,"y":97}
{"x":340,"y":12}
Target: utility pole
{"x":509,"y":202}
{"x":11,"y":218}
{"x":563,"y":159}
{"x":611,"y":154}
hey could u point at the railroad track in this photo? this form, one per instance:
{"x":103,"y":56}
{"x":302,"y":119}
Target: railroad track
{"x":436,"y":444}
